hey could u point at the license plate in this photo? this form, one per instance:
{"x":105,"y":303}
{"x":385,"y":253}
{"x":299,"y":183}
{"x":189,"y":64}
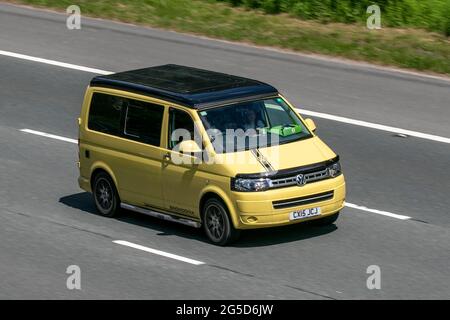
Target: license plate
{"x":305,"y":213}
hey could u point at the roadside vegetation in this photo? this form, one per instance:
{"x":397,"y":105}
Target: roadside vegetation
{"x":414,"y":33}
{"x":432,"y":15}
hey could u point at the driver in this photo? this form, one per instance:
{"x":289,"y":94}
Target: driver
{"x":251,"y":122}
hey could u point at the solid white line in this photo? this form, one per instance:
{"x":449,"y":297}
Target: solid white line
{"x":48,"y":135}
{"x":384,"y":213}
{"x":305,"y":112}
{"x":158,"y":252}
{"x":374,"y":126}
{"x":53,"y":62}
{"x":350,"y":205}
{"x":313,"y":56}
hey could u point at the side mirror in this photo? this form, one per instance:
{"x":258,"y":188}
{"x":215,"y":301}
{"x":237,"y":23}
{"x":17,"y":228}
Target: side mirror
{"x":310,"y":124}
{"x":190,"y":147}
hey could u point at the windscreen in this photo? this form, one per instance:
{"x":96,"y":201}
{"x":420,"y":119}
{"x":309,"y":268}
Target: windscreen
{"x":252,"y":124}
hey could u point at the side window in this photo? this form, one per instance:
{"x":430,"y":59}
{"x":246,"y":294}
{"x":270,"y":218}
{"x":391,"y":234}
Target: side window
{"x":181,"y":127}
{"x":143,"y":122}
{"x":132,"y":119}
{"x":105,"y":113}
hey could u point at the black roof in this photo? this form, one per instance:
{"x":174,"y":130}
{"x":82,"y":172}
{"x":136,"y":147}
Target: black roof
{"x":191,"y":87}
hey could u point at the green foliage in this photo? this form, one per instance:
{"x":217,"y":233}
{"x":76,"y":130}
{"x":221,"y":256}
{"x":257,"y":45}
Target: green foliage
{"x":433,"y":15}
{"x":271,"y":6}
{"x":446,"y":21}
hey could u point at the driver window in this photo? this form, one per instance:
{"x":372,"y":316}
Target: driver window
{"x":181,"y":127}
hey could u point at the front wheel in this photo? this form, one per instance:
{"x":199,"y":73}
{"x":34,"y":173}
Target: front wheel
{"x":217,"y":224}
{"x":105,"y":195}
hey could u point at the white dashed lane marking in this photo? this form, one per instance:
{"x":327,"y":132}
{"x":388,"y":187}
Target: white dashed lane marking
{"x":52,"y":62}
{"x":381,"y":212}
{"x":159,"y":252}
{"x":48,"y":135}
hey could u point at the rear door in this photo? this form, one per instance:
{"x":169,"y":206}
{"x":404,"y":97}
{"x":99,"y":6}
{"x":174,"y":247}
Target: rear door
{"x":133,"y":152}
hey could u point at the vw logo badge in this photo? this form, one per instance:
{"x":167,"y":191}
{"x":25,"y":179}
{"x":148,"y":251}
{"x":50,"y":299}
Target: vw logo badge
{"x":300,"y":179}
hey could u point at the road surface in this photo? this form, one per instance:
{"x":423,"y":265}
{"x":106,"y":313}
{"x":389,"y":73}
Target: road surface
{"x":398,"y":216}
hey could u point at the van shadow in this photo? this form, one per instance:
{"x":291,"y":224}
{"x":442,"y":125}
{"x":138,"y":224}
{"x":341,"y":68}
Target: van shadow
{"x":249,"y":238}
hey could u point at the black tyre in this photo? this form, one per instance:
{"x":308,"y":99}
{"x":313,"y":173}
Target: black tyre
{"x":105,"y":195}
{"x":217,"y":223}
{"x":326,"y":221}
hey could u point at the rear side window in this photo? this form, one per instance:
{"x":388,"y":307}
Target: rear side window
{"x":143,"y":122}
{"x":105,"y":113}
{"x":127,"y":118}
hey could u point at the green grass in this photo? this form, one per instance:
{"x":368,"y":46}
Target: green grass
{"x":433,"y":15}
{"x":407,"y":48}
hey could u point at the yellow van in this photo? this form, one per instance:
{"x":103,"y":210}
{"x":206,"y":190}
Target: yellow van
{"x":205,"y":149}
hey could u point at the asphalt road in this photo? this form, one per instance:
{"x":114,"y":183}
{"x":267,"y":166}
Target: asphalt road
{"x":47,"y":223}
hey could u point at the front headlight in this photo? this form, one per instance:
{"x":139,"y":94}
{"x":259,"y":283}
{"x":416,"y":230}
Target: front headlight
{"x":241,"y":184}
{"x":335,"y":169}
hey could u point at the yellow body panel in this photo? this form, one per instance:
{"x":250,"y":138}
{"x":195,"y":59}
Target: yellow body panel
{"x":145,"y":177}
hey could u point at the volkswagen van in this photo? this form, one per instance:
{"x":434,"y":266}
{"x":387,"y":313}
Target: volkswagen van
{"x":205,"y":149}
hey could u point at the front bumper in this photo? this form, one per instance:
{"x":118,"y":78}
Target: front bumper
{"x":256,"y":210}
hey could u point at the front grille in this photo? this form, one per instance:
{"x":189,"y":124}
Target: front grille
{"x":308,"y":178}
{"x":288,"y":177}
{"x":295,"y":202}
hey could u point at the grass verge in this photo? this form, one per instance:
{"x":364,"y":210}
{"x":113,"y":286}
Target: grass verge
{"x":406,"y":48}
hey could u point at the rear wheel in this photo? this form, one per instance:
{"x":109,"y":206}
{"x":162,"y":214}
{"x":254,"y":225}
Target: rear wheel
{"x":105,"y":195}
{"x":217,"y":223}
{"x":326,"y":221}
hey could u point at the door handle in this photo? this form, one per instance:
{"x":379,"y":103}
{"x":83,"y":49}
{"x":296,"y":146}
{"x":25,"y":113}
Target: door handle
{"x":166,"y":156}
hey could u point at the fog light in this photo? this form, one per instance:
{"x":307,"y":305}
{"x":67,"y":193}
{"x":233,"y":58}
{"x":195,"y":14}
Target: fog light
{"x":252,"y":219}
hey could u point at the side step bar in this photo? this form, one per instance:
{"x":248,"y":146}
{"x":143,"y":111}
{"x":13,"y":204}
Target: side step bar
{"x":160,"y":215}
